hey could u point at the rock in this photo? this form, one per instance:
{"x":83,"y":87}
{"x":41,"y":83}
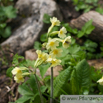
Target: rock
{"x":97,"y":34}
{"x":56,"y":71}
{"x":31,"y":54}
{"x":98,"y":63}
{"x":29,"y":23}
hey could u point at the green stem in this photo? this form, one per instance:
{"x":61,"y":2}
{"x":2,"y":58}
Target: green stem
{"x":54,"y":33}
{"x":49,"y":30}
{"x":41,"y":97}
{"x":51,"y":95}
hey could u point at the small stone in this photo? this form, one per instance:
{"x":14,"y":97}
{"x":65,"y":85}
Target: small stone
{"x":31,"y":54}
{"x":96,"y":63}
{"x":55,"y":71}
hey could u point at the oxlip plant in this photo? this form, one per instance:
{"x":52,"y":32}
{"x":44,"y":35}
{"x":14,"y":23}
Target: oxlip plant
{"x":76,"y":78}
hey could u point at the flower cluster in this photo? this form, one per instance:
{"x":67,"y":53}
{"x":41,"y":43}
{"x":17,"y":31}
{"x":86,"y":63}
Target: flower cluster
{"x":18,"y":75}
{"x":42,"y":58}
{"x":53,"y":45}
{"x":54,"y":21}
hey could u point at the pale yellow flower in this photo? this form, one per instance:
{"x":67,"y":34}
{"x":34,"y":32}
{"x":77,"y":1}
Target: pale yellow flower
{"x":54,"y":21}
{"x":100,"y":81}
{"x":54,"y":62}
{"x":66,"y":42}
{"x":52,"y":43}
{"x":18,"y":74}
{"x":16,"y":70}
{"x":62,"y":32}
{"x":19,"y":78}
{"x":44,"y":45}
{"x":39,"y":53}
{"x":42,"y":55}
{"x":56,"y":52}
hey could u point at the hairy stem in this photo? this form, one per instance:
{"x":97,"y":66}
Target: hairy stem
{"x":49,"y":30}
{"x":37,"y":81}
{"x":51,"y":95}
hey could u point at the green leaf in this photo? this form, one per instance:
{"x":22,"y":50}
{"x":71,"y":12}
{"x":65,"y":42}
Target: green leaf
{"x":80,"y":34}
{"x":100,"y":87}
{"x":66,"y":89}
{"x":77,"y":8}
{"x":101,"y":43}
{"x":43,"y":37}
{"x":2,"y":13}
{"x":90,"y":55}
{"x":91,"y":50}
{"x":88,"y":9}
{"x":10,"y":12}
{"x":3,"y":25}
{"x":75,"y":2}
{"x":76,"y":52}
{"x":91,"y":44}
{"x":29,"y":89}
{"x":60,"y":81}
{"x":43,"y":68}
{"x":43,"y":89}
{"x":74,"y":85}
{"x":65,"y":59}
{"x":96,"y":74}
{"x":25,"y":90}
{"x":83,"y":74}
{"x":100,"y":10}
{"x":46,"y":19}
{"x":85,"y":90}
{"x":88,"y":27}
{"x":56,"y":28}
{"x":74,"y":31}
{"x":38,"y":100}
{"x":29,"y":63}
{"x":65,"y":52}
{"x":37,"y":45}
{"x":101,"y":48}
{"x":8,"y":72}
{"x":74,"y":49}
{"x":32,"y":83}
{"x":23,"y":99}
{"x":7,"y":32}
{"x":16,"y":59}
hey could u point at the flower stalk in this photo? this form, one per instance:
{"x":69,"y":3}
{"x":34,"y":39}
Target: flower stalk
{"x":51,"y":95}
{"x":38,"y":86}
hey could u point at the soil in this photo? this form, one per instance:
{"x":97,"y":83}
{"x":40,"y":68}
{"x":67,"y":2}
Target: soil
{"x":7,"y":86}
{"x":8,"y":89}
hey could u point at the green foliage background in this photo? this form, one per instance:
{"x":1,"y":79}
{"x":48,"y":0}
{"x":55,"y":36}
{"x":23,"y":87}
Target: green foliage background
{"x":7,"y":11}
